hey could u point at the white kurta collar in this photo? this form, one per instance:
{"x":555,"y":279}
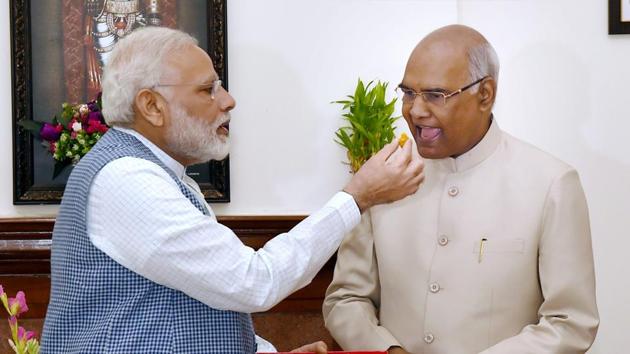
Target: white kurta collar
{"x":176,"y":167}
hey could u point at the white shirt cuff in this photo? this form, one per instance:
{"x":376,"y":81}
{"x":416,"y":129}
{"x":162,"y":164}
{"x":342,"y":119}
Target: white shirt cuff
{"x":263,"y":346}
{"x":348,"y":209}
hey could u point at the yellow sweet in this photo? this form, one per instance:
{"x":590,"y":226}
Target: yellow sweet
{"x":403,"y":139}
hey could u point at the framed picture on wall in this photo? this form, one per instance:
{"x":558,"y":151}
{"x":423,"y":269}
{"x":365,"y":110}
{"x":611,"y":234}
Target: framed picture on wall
{"x":618,"y":16}
{"x":58,"y":49}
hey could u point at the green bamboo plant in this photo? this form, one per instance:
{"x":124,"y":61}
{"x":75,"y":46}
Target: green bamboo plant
{"x":371,"y":125}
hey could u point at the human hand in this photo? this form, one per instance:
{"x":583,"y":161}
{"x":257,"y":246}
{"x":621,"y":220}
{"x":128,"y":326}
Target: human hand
{"x":317,"y":347}
{"x":397,"y":350}
{"x":390,"y":175}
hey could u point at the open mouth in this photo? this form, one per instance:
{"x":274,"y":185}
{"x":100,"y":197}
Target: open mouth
{"x":224,"y":128}
{"x":425,"y":134}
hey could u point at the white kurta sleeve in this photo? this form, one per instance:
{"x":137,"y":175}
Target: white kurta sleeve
{"x":138,"y":216}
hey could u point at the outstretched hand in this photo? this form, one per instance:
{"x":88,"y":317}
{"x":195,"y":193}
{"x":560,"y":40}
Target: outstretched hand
{"x":390,"y":175}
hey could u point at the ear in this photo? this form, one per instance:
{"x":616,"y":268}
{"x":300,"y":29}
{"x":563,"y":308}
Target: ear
{"x":487,"y":94}
{"x":151,"y":107}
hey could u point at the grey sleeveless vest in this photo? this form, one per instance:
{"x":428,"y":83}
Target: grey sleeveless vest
{"x":99,"y":306}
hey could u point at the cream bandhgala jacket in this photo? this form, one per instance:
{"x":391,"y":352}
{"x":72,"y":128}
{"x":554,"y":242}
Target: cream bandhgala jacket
{"x":491,"y":255}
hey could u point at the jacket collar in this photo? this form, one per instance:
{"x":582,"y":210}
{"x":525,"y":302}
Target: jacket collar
{"x":477,"y":154}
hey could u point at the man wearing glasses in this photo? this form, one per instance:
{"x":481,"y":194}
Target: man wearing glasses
{"x":139,"y":262}
{"x":493,"y":254}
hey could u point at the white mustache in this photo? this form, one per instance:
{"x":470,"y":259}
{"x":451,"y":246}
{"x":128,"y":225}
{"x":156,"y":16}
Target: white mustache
{"x":223,"y":118}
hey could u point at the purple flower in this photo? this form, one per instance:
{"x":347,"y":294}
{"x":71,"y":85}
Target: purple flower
{"x":49,"y":132}
{"x":17,"y":305}
{"x":24,"y":335}
{"x":93,"y":105}
{"x":97,"y":116}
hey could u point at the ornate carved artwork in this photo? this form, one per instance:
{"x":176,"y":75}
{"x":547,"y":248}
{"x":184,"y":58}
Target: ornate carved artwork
{"x":92,"y":27}
{"x":58,"y":50}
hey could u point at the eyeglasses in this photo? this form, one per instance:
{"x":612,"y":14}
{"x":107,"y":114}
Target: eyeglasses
{"x":437,"y":98}
{"x":212,"y":88}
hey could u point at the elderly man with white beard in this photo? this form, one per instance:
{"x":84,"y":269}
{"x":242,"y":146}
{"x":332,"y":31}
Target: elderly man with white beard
{"x":139,"y":262}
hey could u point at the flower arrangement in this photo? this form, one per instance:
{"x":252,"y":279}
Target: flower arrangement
{"x":371,"y":123}
{"x":21,"y":341}
{"x":71,"y":134}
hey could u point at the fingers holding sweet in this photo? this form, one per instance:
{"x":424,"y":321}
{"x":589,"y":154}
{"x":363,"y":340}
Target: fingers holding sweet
{"x":386,"y":152}
{"x":387,"y":180}
{"x":401,"y":156}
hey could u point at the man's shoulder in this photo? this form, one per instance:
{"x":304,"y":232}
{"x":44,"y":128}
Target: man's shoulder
{"x":134,"y":178}
{"x":533,"y":158}
{"x":130,"y":168}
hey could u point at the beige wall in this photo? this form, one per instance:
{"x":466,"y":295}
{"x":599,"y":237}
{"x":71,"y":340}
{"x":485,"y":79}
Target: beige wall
{"x":564,"y":87}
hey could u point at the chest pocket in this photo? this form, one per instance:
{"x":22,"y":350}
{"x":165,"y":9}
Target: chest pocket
{"x":491,"y":245}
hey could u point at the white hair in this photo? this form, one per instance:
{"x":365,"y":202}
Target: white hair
{"x":483,"y":61}
{"x":137,"y":62}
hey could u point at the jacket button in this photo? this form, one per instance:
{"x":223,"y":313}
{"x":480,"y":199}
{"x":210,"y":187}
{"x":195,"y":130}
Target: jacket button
{"x":429,"y":338}
{"x":443,"y":240}
{"x":434,"y":287}
{"x":453,"y":191}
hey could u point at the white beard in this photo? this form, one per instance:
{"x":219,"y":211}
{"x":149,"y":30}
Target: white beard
{"x":196,"y":139}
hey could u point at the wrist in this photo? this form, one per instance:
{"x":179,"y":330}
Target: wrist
{"x":360,"y":201}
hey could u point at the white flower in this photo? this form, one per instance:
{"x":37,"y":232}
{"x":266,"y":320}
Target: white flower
{"x":83,"y":109}
{"x":76,"y":126}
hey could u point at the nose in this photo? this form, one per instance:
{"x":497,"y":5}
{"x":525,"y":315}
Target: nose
{"x":226,"y":101}
{"x":419,"y":108}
